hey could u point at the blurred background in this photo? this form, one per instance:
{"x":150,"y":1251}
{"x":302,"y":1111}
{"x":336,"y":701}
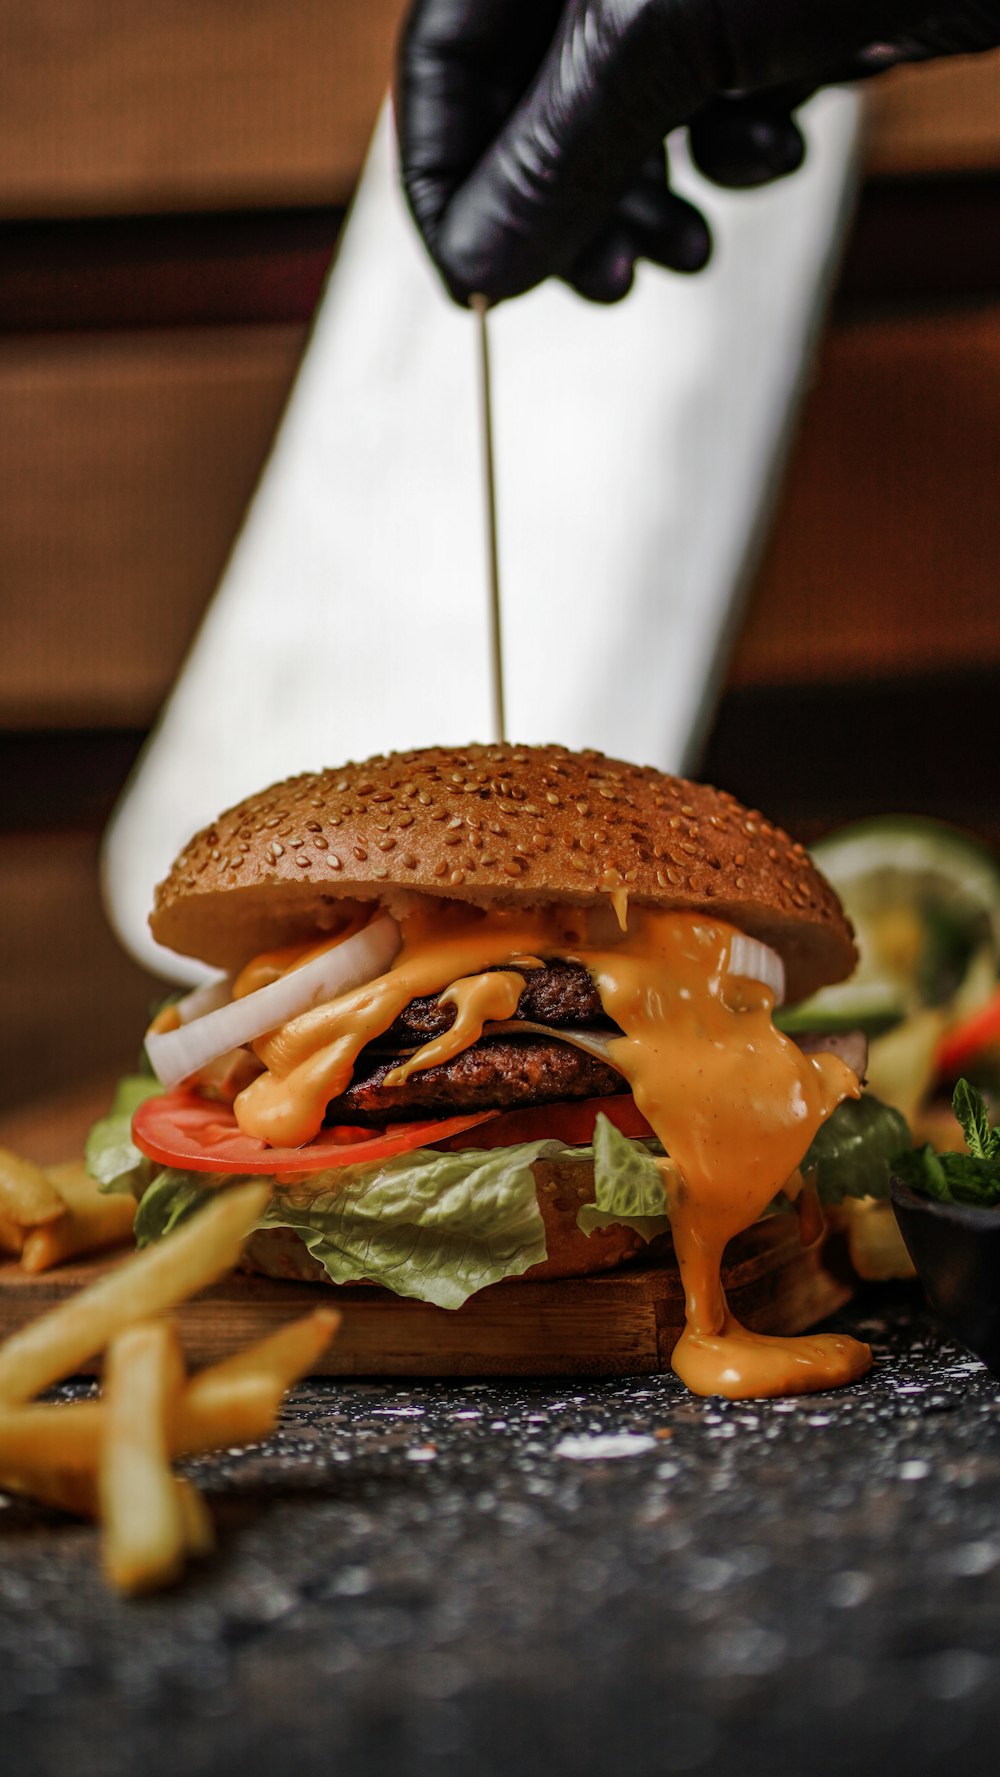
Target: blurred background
{"x":173,"y":177}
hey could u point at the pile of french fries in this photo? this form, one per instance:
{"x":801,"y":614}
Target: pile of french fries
{"x":56,"y":1213}
{"x":110,"y":1458}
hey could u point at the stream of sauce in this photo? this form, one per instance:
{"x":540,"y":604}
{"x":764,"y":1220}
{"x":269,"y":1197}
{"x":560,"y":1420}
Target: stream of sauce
{"x":734,"y":1102}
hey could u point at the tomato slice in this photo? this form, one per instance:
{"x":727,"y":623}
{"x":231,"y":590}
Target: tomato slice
{"x":192,"y":1133}
{"x":570,"y":1122}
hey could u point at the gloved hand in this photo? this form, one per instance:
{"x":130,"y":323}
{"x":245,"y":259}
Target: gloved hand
{"x":531,"y":131}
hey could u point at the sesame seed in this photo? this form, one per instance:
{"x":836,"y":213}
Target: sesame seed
{"x":441,"y":867}
{"x":303,"y":862}
{"x":333,"y":861}
{"x":408,"y":861}
{"x":360,"y":853}
{"x":386,"y":844}
{"x":687,"y":809}
{"x":457,"y":876}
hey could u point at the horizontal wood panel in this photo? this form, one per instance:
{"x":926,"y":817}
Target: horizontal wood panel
{"x":175,"y":104}
{"x":72,"y":1004}
{"x":884,"y":556}
{"x":125,"y":466}
{"x":943,"y":116}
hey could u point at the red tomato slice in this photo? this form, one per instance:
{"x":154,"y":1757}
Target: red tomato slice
{"x":184,"y":1130}
{"x":569,"y":1122}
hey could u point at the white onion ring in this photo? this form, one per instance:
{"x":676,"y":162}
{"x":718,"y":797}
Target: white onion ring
{"x":755,"y":961}
{"x":177,"y":1054}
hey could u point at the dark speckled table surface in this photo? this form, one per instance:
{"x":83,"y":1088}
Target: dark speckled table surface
{"x":509,"y":1579}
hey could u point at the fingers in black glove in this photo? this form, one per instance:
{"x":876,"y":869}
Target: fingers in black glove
{"x":649,"y":222}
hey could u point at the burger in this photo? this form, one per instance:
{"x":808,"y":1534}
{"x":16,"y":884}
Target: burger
{"x":496,"y":1011}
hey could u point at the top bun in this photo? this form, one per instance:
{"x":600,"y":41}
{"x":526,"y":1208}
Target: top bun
{"x":494,"y":826}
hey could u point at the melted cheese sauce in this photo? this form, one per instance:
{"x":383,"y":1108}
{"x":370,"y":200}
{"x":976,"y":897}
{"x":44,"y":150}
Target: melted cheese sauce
{"x":733,"y":1101}
{"x":477,"y":1000}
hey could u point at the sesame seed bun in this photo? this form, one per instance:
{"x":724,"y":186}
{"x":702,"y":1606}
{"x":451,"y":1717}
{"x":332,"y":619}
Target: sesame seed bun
{"x":562,"y":1186}
{"x":495,"y":826}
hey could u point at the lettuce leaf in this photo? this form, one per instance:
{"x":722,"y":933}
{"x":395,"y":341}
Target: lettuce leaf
{"x":852,"y":1154}
{"x":628,"y":1185}
{"x":169,"y":1199}
{"x":111,"y":1156}
{"x":434,"y":1226}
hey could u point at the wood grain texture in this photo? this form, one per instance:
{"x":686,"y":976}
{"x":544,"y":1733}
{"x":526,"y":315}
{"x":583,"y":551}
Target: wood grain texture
{"x":73,"y":1004}
{"x":126,"y":463}
{"x":174,"y":104}
{"x":942,"y":117}
{"x":620,"y":1324}
{"x":883,"y":558}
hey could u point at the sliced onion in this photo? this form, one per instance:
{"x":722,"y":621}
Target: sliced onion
{"x":177,"y":1054}
{"x":205,"y":999}
{"x":755,"y":961}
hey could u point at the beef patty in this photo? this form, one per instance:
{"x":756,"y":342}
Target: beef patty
{"x":561,"y":994}
{"x":497,"y":1073}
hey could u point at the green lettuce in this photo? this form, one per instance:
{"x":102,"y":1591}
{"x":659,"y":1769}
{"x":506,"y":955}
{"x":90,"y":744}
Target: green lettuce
{"x":111,"y":1156}
{"x":853,"y":1153}
{"x":628,"y":1185}
{"x":435,"y":1226}
{"x":171,"y":1198}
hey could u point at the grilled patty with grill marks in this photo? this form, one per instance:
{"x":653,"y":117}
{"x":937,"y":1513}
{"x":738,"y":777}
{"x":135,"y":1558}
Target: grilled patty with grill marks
{"x":497,"y":1073}
{"x":561,"y":994}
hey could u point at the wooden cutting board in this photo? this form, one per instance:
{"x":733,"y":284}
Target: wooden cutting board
{"x":620,"y":1324}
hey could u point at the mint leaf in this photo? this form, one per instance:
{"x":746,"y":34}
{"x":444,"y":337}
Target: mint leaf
{"x":951,"y":1178}
{"x":982,"y":1140}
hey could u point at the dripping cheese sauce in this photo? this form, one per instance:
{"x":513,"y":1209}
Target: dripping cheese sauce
{"x":733,"y":1101}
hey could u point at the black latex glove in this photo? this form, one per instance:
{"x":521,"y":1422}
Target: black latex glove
{"x":531,"y":131}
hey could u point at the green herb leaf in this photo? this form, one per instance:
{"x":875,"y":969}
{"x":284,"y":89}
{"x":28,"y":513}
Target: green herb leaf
{"x":982,"y":1140}
{"x":852,"y":1154}
{"x":110,"y":1153}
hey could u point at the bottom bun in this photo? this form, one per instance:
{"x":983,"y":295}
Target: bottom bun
{"x":562,"y":1186}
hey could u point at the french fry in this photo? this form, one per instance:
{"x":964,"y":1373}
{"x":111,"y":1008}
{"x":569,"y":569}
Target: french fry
{"x":198,"y":1252}
{"x":874,"y":1243}
{"x":232,"y":1402}
{"x":285,"y":1355}
{"x":86,"y":1227}
{"x":67,"y":1489}
{"x":11,"y":1236}
{"x":196,"y":1519}
{"x":28,"y":1197}
{"x":66,"y":1438}
{"x":144,"y":1521}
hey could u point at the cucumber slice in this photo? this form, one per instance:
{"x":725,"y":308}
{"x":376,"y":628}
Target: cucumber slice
{"x":924,"y":900}
{"x":910,"y":860}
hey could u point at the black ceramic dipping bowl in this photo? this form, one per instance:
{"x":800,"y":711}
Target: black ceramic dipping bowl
{"x":956,"y":1250}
